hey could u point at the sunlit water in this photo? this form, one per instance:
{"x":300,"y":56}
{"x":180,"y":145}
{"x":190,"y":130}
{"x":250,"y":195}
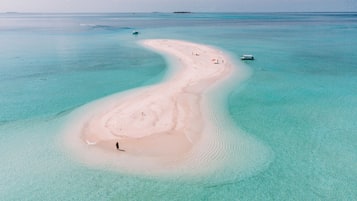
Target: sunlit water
{"x":300,"y":101}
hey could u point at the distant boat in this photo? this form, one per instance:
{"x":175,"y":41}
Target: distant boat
{"x":135,"y":33}
{"x":247,"y":57}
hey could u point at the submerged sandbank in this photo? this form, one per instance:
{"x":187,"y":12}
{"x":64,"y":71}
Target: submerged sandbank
{"x":168,"y":128}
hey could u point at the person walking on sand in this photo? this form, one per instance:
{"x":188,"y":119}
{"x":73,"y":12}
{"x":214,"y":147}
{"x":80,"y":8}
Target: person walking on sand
{"x":117,"y":145}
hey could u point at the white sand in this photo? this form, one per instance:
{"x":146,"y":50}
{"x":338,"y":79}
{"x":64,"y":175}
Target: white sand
{"x":162,"y":128}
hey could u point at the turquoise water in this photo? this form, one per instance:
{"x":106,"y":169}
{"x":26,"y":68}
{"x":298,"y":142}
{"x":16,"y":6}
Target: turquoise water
{"x":300,"y":100}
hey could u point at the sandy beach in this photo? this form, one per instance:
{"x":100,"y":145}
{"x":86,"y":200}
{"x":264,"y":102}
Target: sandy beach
{"x":164,"y":127}
{"x":166,"y":119}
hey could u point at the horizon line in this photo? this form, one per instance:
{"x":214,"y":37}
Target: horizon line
{"x":171,"y":12}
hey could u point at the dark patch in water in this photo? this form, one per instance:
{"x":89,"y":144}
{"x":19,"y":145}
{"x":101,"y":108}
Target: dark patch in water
{"x":109,"y":28}
{"x":46,"y":117}
{"x":65,"y":112}
{"x":3,"y":122}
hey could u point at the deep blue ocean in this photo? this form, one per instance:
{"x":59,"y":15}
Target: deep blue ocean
{"x":300,"y":101}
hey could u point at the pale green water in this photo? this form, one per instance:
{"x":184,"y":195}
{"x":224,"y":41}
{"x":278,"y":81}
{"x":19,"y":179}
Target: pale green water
{"x":300,"y":101}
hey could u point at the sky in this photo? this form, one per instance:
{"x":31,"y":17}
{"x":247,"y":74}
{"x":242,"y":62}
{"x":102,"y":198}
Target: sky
{"x":177,"y":5}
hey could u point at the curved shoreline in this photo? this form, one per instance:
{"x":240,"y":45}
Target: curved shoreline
{"x":166,"y":128}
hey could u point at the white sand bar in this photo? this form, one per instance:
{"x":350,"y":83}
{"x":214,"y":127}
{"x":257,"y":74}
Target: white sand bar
{"x":166,"y":128}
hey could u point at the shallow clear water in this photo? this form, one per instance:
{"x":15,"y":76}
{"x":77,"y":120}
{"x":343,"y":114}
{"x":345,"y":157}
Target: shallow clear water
{"x":300,"y":100}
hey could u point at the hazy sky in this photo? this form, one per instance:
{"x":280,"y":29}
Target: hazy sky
{"x":175,"y":5}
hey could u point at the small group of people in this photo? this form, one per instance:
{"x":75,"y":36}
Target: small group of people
{"x":216,"y":61}
{"x":195,"y":53}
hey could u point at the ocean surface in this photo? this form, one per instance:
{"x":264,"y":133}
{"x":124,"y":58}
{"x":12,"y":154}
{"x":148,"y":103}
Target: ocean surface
{"x":300,"y":101}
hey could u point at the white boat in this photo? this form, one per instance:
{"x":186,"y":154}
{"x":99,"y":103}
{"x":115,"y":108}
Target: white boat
{"x":247,"y":57}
